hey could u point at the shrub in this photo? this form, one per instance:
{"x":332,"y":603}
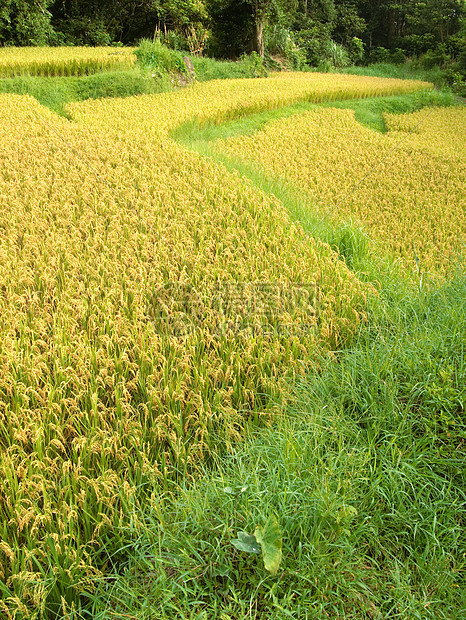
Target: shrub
{"x":280,"y":41}
{"x":434,"y":57}
{"x":159,"y":58}
{"x":380,"y":54}
{"x":355,"y":49}
{"x":314,"y":42}
{"x":254,"y":65}
{"x":398,"y":57}
{"x":337,"y":55}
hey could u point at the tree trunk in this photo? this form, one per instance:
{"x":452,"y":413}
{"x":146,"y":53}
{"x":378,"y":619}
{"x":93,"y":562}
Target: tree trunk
{"x":259,"y":42}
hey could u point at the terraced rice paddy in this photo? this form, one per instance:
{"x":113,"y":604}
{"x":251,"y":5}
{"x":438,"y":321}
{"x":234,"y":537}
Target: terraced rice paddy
{"x":407,"y":187}
{"x":153,"y":305}
{"x":62,"y":61}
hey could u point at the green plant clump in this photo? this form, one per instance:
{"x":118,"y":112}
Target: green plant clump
{"x":248,"y":66}
{"x":159,"y":58}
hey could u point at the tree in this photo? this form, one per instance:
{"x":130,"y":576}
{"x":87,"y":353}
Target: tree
{"x":348,"y":22}
{"x":26,"y":22}
{"x":85,"y":21}
{"x":440,"y":17}
{"x":238,"y":25}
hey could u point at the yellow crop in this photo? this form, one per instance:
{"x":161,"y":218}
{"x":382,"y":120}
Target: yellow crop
{"x":151,"y":304}
{"x":56,"y":61}
{"x":407,"y":186}
{"x":220,"y":100}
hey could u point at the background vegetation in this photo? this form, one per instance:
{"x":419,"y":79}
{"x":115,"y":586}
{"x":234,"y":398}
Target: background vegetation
{"x":324,"y":33}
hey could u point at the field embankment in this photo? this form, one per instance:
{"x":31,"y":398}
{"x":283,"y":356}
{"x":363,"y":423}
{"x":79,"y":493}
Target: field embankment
{"x":406,"y":186}
{"x":154,"y":307}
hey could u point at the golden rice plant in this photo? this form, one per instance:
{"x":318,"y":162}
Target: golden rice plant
{"x":407,"y":187}
{"x":152,"y":305}
{"x":62,"y":61}
{"x":220,"y":100}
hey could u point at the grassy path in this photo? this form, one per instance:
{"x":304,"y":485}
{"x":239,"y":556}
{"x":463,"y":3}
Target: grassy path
{"x":365,"y":473}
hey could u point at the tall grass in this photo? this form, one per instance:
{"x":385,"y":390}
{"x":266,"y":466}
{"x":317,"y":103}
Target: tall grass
{"x":365,"y":473}
{"x":408,"y":71}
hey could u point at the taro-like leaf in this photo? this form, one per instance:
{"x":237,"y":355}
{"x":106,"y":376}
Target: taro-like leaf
{"x":346,"y":513}
{"x":270,"y":539}
{"x":246,"y":542}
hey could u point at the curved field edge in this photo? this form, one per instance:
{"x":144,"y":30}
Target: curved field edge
{"x":340,"y":201}
{"x":122,"y":361}
{"x":112,"y":214}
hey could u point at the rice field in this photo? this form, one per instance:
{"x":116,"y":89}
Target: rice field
{"x":152,"y":307}
{"x":407,"y":187}
{"x":63,"y":61}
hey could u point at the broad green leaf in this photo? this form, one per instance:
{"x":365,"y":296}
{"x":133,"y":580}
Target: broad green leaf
{"x":246,"y":542}
{"x":270,"y":540}
{"x":346,"y":513}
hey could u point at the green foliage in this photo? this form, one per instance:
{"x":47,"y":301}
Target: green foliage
{"x":254,"y":65}
{"x":411,"y":69}
{"x":314,"y":40}
{"x":280,"y":41}
{"x":380,"y":55}
{"x":355,"y":48}
{"x":232,"y":28}
{"x":159,"y":58}
{"x":248,"y":66}
{"x":266,"y":539}
{"x":337,"y":55}
{"x":270,"y":539}
{"x":55,"y":93}
{"x":364,"y":472}
{"x":398,"y":57}
{"x":247,"y":543}
{"x":83,"y":31}
{"x":26,"y":22}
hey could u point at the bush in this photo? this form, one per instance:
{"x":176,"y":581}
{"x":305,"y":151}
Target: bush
{"x":380,"y":54}
{"x":355,"y":49}
{"x":314,"y":42}
{"x":159,"y":58}
{"x":254,"y":65}
{"x":434,"y":57}
{"x":398,"y":57}
{"x":281,"y":42}
{"x":83,"y":32}
{"x":337,"y":55}
{"x":247,"y":67}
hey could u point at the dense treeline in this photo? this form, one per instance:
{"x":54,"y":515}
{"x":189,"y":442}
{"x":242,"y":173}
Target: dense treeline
{"x":302,"y":31}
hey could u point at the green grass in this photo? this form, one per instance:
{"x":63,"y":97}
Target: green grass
{"x":365,"y":473}
{"x":212,"y":69}
{"x":408,"y":71}
{"x":56,"y":92}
